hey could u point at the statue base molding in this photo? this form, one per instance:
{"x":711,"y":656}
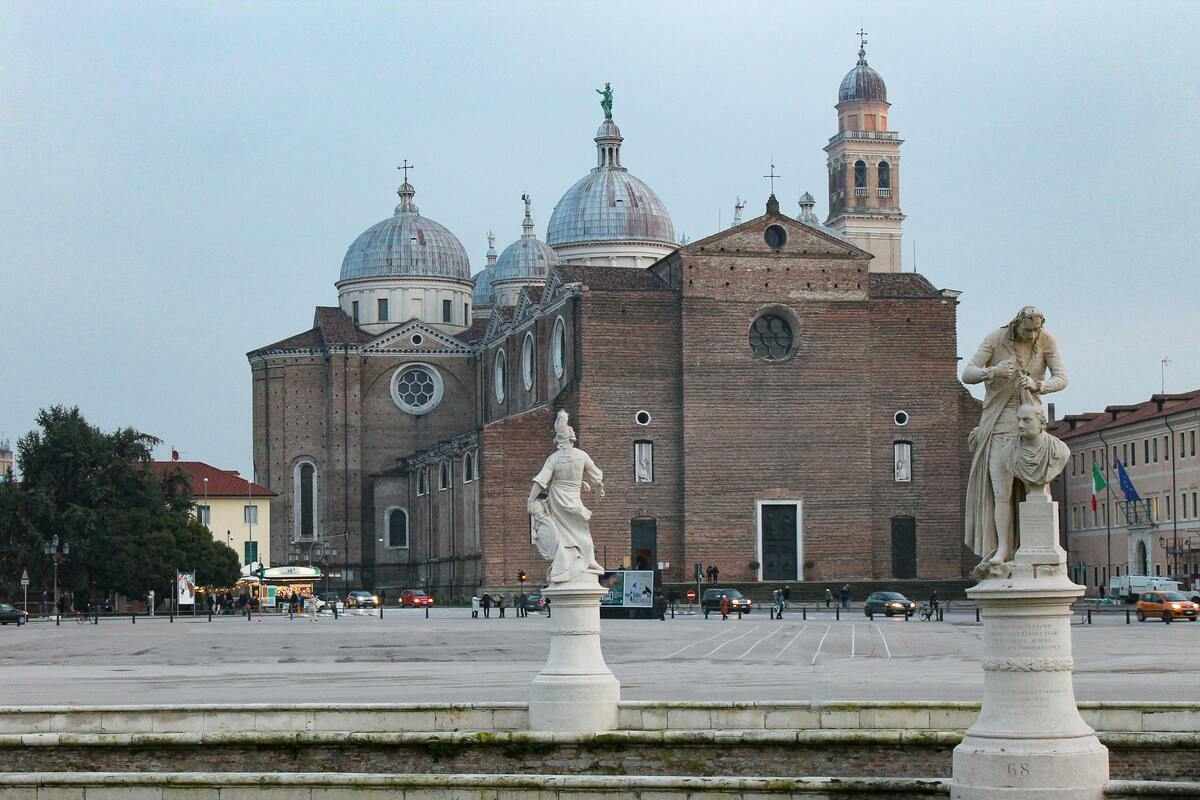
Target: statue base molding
{"x":575,"y":691}
{"x":1029,"y":743}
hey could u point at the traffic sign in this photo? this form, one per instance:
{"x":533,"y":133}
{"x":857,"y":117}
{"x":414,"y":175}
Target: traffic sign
{"x":25,"y":578}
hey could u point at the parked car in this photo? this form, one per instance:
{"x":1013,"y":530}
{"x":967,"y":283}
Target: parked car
{"x":11,"y":614}
{"x":360,"y":598}
{"x":711,"y":600}
{"x":889,"y":604}
{"x":535,"y":601}
{"x":1166,"y":606}
{"x":327,"y":601}
{"x":415,"y":598}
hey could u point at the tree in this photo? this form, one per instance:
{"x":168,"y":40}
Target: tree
{"x":129,"y":530}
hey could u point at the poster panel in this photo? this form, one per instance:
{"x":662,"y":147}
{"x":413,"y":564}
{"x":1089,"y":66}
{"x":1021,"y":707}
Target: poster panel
{"x":185,"y":588}
{"x":639,"y":589}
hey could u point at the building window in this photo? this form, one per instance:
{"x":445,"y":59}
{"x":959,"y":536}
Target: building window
{"x":902,"y":458}
{"x":1155,"y":450}
{"x":1166,"y":447}
{"x":443,"y":476}
{"x":643,"y":461}
{"x":383,"y":309}
{"x":468,"y":467}
{"x":498,"y":376}
{"x":558,"y":347}
{"x":1182,"y":445}
{"x":421,"y":481}
{"x":1133,"y":454}
{"x":1146,"y":451}
{"x":1192,"y":443}
{"x":304,"y":500}
{"x":354,"y":311}
{"x":447,"y":311}
{"x":204,"y":515}
{"x":397,"y":527}
{"x":250,"y":515}
{"x":1167,"y":505}
{"x":860,"y":178}
{"x":466,"y":313}
{"x":417,"y":389}
{"x":885,"y":175}
{"x":527,"y":362}
{"x":249,"y":552}
{"x":771,"y":338}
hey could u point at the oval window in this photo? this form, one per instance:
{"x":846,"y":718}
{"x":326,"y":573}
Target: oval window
{"x":775,"y":236}
{"x":498,"y":376}
{"x":527,"y":361}
{"x":417,"y":389}
{"x":558,"y":347}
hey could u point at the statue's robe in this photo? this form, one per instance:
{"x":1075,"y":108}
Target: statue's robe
{"x":1000,"y":410}
{"x":562,"y":479}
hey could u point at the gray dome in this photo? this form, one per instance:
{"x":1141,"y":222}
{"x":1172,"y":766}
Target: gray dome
{"x":525,"y":258}
{"x":862,"y":83}
{"x":406,"y":245}
{"x":609,"y":204}
{"x":482,"y":294}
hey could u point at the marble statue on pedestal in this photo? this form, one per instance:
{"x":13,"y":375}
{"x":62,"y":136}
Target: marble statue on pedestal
{"x":1037,"y":458}
{"x":1012,"y":362}
{"x":560,"y":520}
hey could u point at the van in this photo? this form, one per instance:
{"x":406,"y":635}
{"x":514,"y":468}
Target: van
{"x":1129,"y":587}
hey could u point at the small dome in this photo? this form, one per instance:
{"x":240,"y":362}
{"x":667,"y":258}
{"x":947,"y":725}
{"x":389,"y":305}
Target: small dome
{"x":406,"y":245}
{"x":862,"y":83}
{"x":608,"y":130}
{"x":526,"y":258}
{"x":482,"y":294}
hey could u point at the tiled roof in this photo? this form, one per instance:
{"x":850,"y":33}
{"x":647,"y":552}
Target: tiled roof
{"x":474,"y":333}
{"x":899,"y":285}
{"x":614,"y":279}
{"x":535,"y":293}
{"x":337,"y":328}
{"x":1118,"y":416}
{"x":310,"y":338}
{"x":221,"y":482}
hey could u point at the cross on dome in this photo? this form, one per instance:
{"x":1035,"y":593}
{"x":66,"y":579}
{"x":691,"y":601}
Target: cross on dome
{"x":862,"y":46}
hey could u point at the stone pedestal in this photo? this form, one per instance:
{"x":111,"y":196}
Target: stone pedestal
{"x":575,"y":691}
{"x":1029,"y":742}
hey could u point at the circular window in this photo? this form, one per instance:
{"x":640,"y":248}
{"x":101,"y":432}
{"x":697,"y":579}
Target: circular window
{"x":498,"y":376}
{"x":558,"y":347}
{"x":417,"y":388}
{"x":416,"y":339}
{"x":901,"y":418}
{"x":775,"y":236}
{"x":642,"y":418}
{"x":527,"y":361}
{"x":771,"y":337}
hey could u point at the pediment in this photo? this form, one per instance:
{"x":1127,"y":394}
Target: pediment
{"x":802,"y":239}
{"x":416,"y":338}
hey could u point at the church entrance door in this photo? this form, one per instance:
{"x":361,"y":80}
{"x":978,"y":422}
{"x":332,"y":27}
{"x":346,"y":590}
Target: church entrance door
{"x":904,"y":547}
{"x":643,"y":544}
{"x":780,"y":542}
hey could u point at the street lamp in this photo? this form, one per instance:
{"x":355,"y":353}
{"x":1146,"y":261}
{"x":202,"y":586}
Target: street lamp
{"x":58,"y":551}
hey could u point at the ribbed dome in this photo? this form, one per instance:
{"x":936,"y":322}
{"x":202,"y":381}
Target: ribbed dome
{"x":406,"y":245}
{"x":482,"y":294}
{"x":609,"y":204}
{"x":525,"y":258}
{"x":862,"y":83}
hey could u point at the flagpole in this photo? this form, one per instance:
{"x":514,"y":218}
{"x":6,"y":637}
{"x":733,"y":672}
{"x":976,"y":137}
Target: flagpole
{"x":1107,"y":499}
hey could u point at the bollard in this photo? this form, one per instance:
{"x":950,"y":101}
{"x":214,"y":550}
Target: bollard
{"x":771,"y":611}
{"x":977,"y":615}
{"x":57,"y":620}
{"x":172,"y":615}
{"x":837,"y":612}
{"x":739,"y":612}
{"x":672,"y":611}
{"x":96,"y":617}
{"x":381,"y":610}
{"x":335,"y":616}
{"x":210,"y":615}
{"x":1127,"y":616}
{"x":133,"y":619}
{"x":1089,"y":616}
{"x":706,"y":613}
{"x":804,"y":613}
{"x":426,"y":612}
{"x":1167,"y":618}
{"x":940,"y":615}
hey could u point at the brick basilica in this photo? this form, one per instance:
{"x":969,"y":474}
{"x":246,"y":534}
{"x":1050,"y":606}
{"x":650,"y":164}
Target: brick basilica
{"x":778,"y":399}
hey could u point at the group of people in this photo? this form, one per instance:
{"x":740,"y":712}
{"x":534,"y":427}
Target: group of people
{"x":843,"y":596}
{"x":485,"y":603}
{"x":712,"y":574}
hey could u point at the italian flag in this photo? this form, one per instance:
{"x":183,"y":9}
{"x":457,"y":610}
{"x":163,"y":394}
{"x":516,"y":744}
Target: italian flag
{"x":1098,"y":484}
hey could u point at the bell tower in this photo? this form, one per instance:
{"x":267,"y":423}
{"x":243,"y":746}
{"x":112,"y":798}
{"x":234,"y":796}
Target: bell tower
{"x":863,"y":159}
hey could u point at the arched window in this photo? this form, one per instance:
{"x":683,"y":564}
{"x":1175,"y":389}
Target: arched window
{"x":421,"y":487}
{"x":860,"y":174}
{"x":397,"y":527}
{"x":527,"y":362}
{"x":885,"y":175}
{"x":304,"y":501}
{"x":468,"y":467}
{"x":498,"y":376}
{"x":444,"y":476}
{"x":558,"y":348}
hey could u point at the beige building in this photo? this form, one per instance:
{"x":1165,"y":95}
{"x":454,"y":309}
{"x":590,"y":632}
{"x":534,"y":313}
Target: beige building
{"x":1158,"y":535}
{"x":235,"y":510}
{"x":6,"y":461}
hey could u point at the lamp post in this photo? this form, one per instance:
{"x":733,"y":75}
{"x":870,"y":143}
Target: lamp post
{"x":207,"y":512}
{"x":58,"y":551}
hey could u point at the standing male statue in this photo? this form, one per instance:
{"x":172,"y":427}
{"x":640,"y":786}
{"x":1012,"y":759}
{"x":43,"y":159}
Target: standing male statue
{"x":560,"y":520}
{"x":606,"y":97}
{"x":1013,"y":362}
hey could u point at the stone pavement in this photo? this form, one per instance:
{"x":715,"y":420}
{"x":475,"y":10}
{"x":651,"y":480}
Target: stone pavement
{"x":453,"y":658}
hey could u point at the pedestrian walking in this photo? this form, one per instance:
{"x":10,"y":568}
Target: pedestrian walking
{"x":660,"y":606}
{"x":487,"y":605}
{"x":933,"y":600}
{"x":716,"y":574}
{"x":724,"y":607}
{"x":500,"y":605}
{"x":474,"y":606}
{"x":846,"y":596}
{"x":828,"y":596}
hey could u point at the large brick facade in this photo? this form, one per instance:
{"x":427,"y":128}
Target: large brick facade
{"x":663,"y":356}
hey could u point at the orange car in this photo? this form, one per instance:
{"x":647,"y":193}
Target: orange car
{"x":1166,"y":606}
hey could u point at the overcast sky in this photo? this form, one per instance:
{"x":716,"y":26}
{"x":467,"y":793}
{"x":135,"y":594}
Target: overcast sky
{"x":180,"y":181}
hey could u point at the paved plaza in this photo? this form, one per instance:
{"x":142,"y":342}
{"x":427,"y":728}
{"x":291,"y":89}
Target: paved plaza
{"x":454,"y":658}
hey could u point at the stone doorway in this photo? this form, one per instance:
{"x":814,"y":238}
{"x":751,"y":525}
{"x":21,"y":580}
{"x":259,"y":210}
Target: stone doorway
{"x":780,"y":541}
{"x":904,"y":547}
{"x":643,"y":544}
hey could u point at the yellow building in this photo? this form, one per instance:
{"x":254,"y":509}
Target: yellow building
{"x":235,"y":510}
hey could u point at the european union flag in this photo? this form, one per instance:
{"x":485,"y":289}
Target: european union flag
{"x":1131,"y":493}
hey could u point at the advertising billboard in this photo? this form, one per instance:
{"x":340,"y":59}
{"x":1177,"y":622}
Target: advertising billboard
{"x":628,"y":589}
{"x":185,"y":588}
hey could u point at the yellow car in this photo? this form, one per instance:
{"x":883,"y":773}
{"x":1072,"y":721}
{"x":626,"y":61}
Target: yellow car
{"x":1166,"y":606}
